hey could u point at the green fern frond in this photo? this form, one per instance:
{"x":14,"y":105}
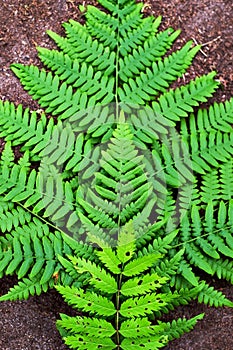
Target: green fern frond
{"x":79,"y":45}
{"x":216,"y":184}
{"x":44,"y":190}
{"x":176,"y":328}
{"x":206,"y":152}
{"x":131,"y":39}
{"x":140,"y":264}
{"x":124,"y":321}
{"x":142,"y":285}
{"x":87,"y":325}
{"x":87,"y":301}
{"x":102,"y":26}
{"x":210,"y":296}
{"x":185,"y":296}
{"x":175,"y":104}
{"x":27,"y":287}
{"x":222,"y":268}
{"x":155,"y":342}
{"x":142,"y":57}
{"x":111,"y":171}
{"x":168,"y":267}
{"x":80,"y":76}
{"x":84,"y":342}
{"x":94,"y":15}
{"x":157,"y":79}
{"x":99,"y":278}
{"x":12,"y":217}
{"x":45,"y":88}
{"x":22,"y":126}
{"x":135,"y":328}
{"x":110,"y":260}
{"x":35,"y":258}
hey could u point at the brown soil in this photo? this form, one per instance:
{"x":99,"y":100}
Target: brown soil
{"x":30,"y":325}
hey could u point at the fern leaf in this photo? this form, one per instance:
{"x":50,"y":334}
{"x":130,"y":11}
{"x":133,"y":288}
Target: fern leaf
{"x":178,"y":327}
{"x":142,"y":285}
{"x":105,"y":33}
{"x":141,"y":306}
{"x":80,"y":45}
{"x":83,"y":342}
{"x":174,"y":104}
{"x":222,"y":268}
{"x":126,"y":243}
{"x":110,"y":260}
{"x":135,"y":328}
{"x":7,"y":157}
{"x":196,"y":258}
{"x":154,"y":342}
{"x":87,"y":301}
{"x":100,"y":279}
{"x":94,"y":15}
{"x":131,"y":17}
{"x":219,"y":148}
{"x":45,"y":88}
{"x":5,"y":258}
{"x":25,"y":288}
{"x":210,"y":296}
{"x":188,"y":274}
{"x":71,"y":270}
{"x":156,"y":79}
{"x":140,"y":265}
{"x":90,"y":326}
{"x":17,"y":257}
{"x":168,"y":267}
{"x":22,"y":126}
{"x":142,"y":57}
{"x":222,"y":247}
{"x":80,"y":76}
{"x":130,"y":40}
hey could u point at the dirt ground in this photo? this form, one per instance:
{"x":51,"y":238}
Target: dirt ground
{"x":30,"y":325}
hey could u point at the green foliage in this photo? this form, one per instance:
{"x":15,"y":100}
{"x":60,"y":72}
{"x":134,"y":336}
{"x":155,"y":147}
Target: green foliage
{"x":32,"y":252}
{"x":117,"y":305}
{"x":124,"y":160}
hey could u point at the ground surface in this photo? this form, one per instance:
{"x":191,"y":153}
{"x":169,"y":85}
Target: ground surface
{"x":30,"y":325}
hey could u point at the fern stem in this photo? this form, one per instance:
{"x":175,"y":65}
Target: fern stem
{"x":117,"y":66}
{"x":118,"y":311}
{"x":41,"y":218}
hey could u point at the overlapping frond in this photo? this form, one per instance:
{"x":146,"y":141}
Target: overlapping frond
{"x":34,"y":258}
{"x":208,"y":239}
{"x":23,"y":126}
{"x":45,"y":190}
{"x":123,"y":187}
{"x":31,"y":255}
{"x":209,"y":136}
